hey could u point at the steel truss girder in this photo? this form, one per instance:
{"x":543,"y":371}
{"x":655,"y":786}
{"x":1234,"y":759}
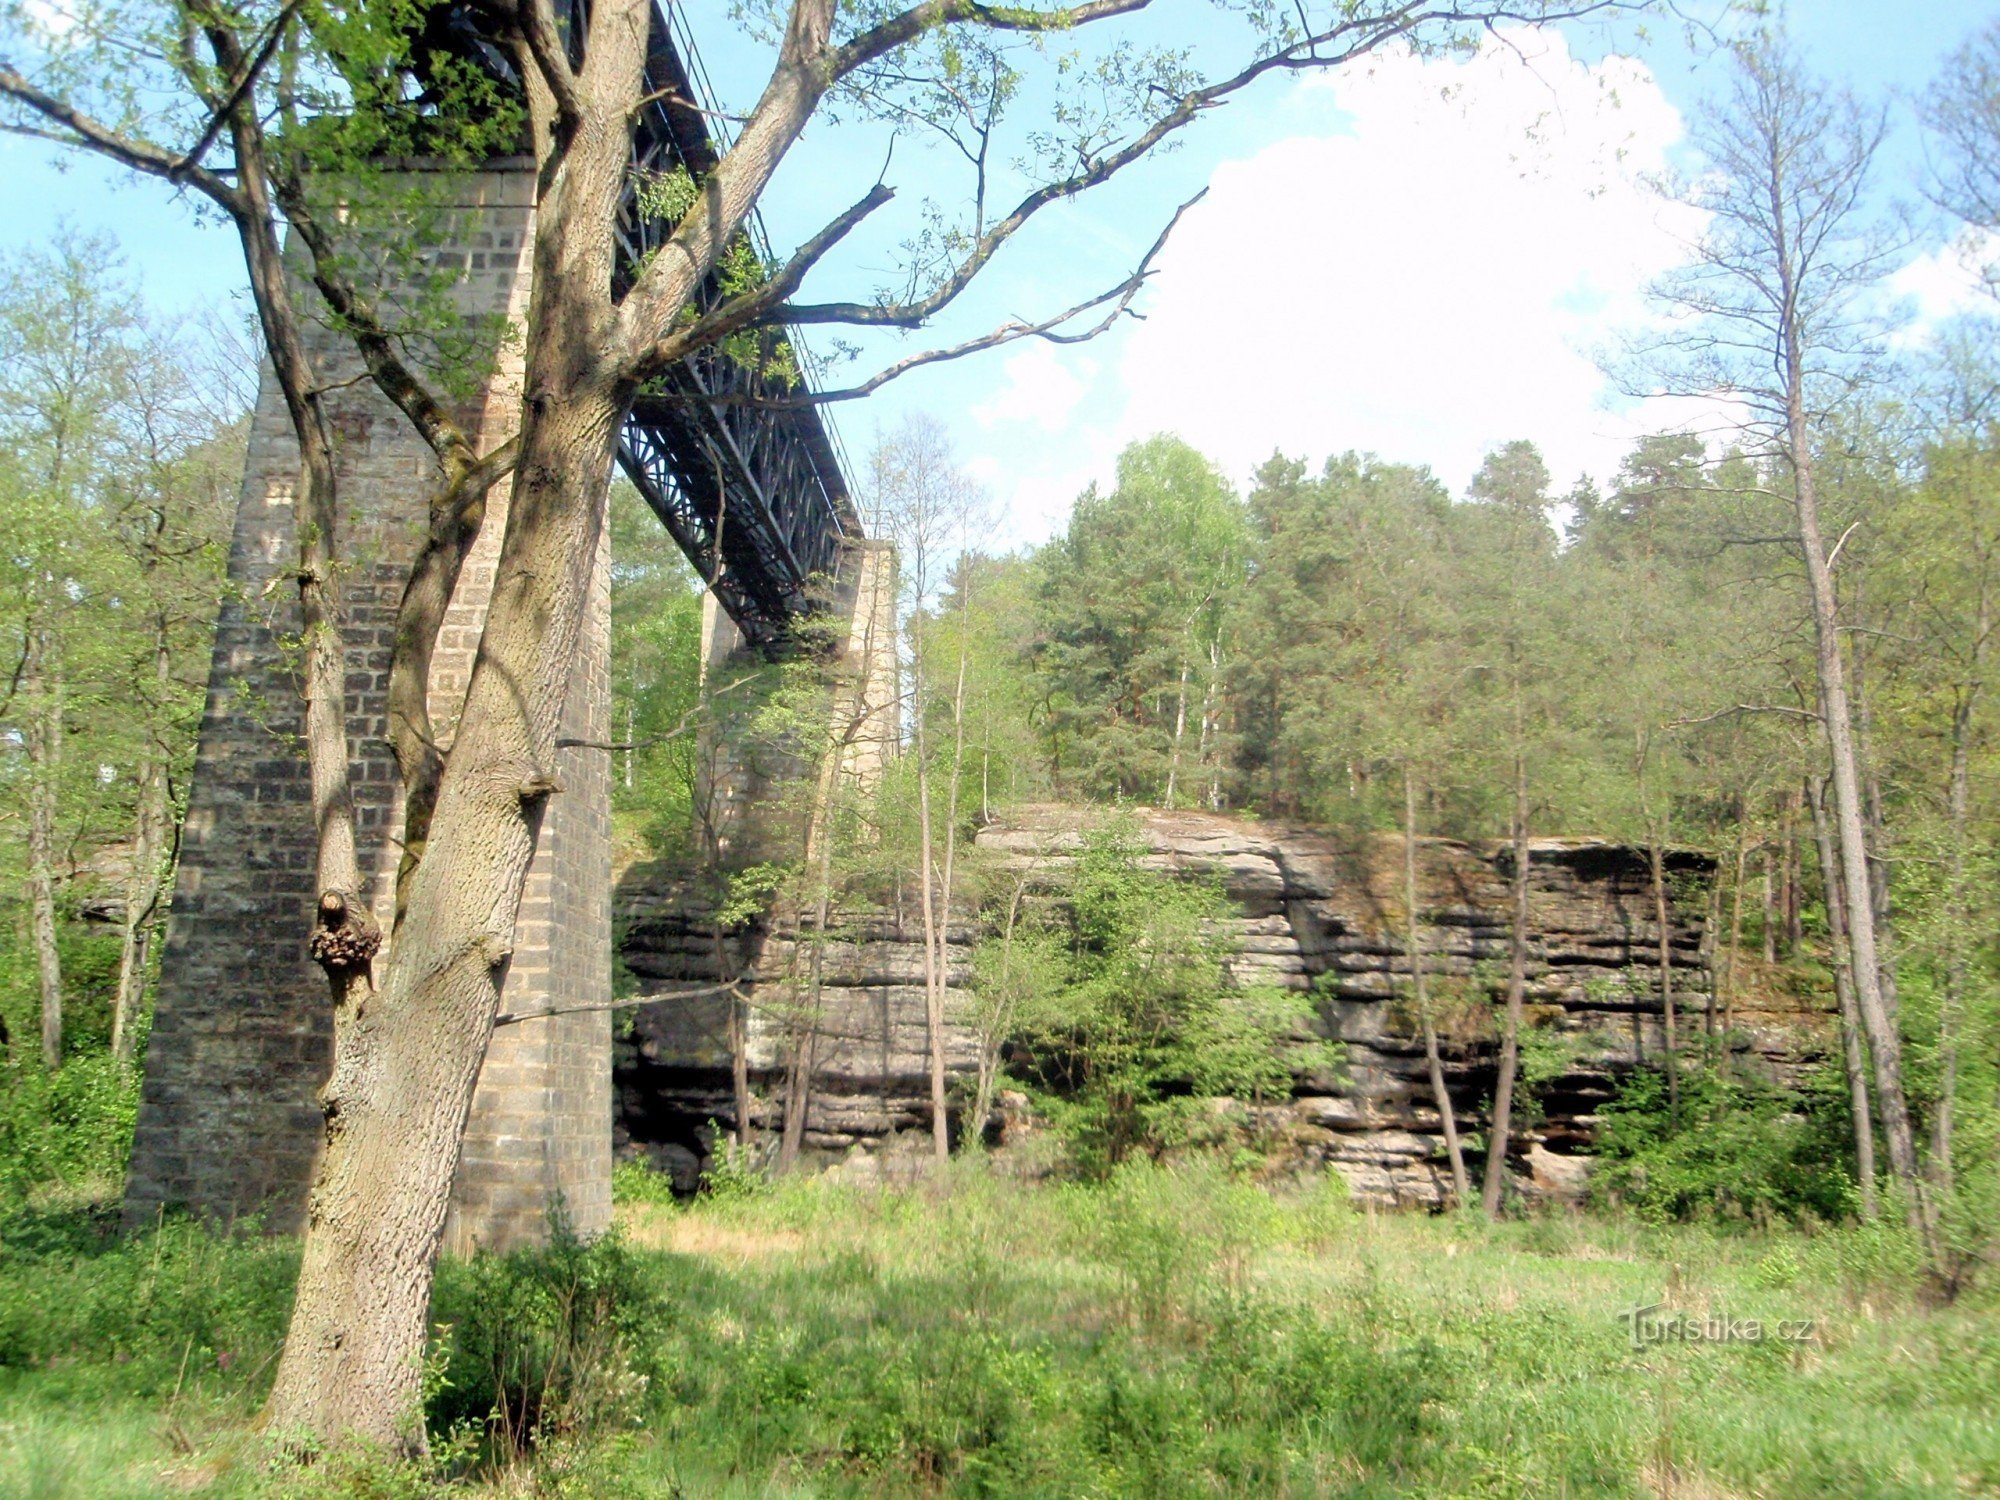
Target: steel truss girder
{"x":753,"y":494}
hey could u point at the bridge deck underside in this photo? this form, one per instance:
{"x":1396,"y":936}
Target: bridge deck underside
{"x":752,"y":491}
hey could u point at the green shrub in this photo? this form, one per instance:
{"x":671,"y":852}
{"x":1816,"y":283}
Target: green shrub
{"x":1147,"y":1028}
{"x":545,"y":1343}
{"x":141,"y":1315}
{"x":1741,"y":1149}
{"x":70,"y":1129}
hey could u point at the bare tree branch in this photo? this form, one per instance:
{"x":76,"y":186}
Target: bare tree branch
{"x":1119,"y":297}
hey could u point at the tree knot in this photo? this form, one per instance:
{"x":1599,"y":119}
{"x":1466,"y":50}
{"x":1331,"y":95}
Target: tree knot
{"x":537,"y":787}
{"x":346,"y":940}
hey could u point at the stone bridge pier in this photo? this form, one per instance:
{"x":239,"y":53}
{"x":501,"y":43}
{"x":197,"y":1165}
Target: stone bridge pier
{"x":229,"y":1118}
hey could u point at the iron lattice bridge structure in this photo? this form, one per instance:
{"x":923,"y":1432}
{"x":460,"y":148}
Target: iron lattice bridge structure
{"x":752,"y":492}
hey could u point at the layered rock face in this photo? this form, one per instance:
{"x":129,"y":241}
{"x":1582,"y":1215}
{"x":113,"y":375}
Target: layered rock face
{"x":1314,"y":913}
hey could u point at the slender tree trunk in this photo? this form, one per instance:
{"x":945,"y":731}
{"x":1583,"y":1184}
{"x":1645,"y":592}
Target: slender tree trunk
{"x":806,"y":1020}
{"x":739,"y":1041}
{"x":1499,"y":1136}
{"x":1885,"y":1045}
{"x":1211,"y":728}
{"x":927,"y":893}
{"x":42,"y":687}
{"x":1711,"y":937}
{"x":1447,"y":1116}
{"x":1765,"y":861}
{"x":145,"y":875}
{"x":1958,"y":940}
{"x":997,"y":1022}
{"x":1843,"y":988}
{"x":940,"y":1139}
{"x":1877,"y":828}
{"x":1180,"y":732}
{"x":1794,"y":930}
{"x":1735,"y":936}
{"x":1663,"y":920}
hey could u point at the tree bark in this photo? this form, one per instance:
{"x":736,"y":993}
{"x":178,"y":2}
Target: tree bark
{"x":1851,"y":1057}
{"x":41,"y":681}
{"x":1885,"y":1045}
{"x":1662,"y":920}
{"x":1517,"y":992}
{"x":1413,"y":930}
{"x":145,"y":876}
{"x":1957,"y":964}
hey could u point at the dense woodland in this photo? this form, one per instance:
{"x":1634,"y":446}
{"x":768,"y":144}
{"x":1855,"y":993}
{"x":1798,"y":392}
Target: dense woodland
{"x":1674,"y":659}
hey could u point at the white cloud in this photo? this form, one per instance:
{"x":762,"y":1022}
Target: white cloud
{"x":1430,"y":284}
{"x":1948,"y":282}
{"x":1426,"y":283}
{"x":1042,"y":388}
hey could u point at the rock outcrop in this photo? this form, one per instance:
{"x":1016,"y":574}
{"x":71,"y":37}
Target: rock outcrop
{"x":1314,"y":913}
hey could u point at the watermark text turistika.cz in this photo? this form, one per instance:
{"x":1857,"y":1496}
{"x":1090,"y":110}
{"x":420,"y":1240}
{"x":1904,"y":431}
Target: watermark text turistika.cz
{"x":1651,"y":1326}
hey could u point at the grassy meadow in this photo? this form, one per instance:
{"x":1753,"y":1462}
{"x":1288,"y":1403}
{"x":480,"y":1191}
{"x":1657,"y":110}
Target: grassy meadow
{"x":1174,"y":1332}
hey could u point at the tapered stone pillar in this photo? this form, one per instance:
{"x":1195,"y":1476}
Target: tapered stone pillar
{"x":736,"y":771}
{"x":229,"y":1120}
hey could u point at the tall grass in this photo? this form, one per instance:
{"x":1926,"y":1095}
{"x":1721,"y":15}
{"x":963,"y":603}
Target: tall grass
{"x":1172,"y":1332}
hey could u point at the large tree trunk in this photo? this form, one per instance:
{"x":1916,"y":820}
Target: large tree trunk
{"x":1517,"y":993}
{"x":1843,"y":988}
{"x":1447,"y":1117}
{"x":41,"y":681}
{"x":406,"y":1058}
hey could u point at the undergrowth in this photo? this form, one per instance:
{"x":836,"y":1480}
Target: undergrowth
{"x":1172,"y":1331}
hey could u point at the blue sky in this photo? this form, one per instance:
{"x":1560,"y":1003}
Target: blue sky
{"x":1418,"y":258}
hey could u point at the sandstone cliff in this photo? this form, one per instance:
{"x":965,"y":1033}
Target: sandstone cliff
{"x":1314,"y":913}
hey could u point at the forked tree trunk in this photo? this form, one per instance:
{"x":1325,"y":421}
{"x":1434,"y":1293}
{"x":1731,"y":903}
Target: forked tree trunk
{"x":1440,"y":1095}
{"x":407,"y":1055}
{"x":1517,"y":993}
{"x":1851,"y":1057}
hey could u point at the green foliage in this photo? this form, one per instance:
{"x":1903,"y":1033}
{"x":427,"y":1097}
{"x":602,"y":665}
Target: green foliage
{"x":144,"y":1315}
{"x":545,"y":1344}
{"x":67,"y":1130}
{"x":735,"y":1173}
{"x":656,"y":704}
{"x":1147,"y":1031}
{"x":1172,"y":1331}
{"x":1743,"y":1149}
{"x":1134,"y":605}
